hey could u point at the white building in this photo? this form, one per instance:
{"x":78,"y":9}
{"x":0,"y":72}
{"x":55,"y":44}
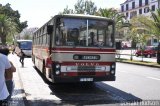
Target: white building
{"x":131,"y":8}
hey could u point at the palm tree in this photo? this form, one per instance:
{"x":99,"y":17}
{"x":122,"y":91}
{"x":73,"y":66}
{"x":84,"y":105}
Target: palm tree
{"x":156,"y":27}
{"x":156,"y":23}
{"x":7,"y":28}
{"x":111,"y":13}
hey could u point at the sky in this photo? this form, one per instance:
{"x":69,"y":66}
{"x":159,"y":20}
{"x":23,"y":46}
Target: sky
{"x":38,"y":12}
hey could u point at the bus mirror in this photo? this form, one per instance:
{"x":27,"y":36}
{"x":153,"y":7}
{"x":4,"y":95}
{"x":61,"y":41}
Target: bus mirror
{"x":49,"y":29}
{"x":118,"y":45}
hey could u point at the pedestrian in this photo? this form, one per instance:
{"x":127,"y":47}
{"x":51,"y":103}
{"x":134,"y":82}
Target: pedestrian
{"x":9,"y":74}
{"x":5,"y":66}
{"x":22,"y":55}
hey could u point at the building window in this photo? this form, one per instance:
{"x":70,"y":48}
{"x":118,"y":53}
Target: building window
{"x":126,"y":6}
{"x":146,"y":2}
{"x":140,"y":3}
{"x":140,"y":11}
{"x":155,"y":40}
{"x":122,"y":8}
{"x":153,"y":8}
{"x":126,"y":14}
{"x":133,"y":5}
{"x":146,"y":9}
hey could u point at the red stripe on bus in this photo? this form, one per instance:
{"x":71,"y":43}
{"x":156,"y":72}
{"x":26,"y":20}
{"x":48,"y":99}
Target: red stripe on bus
{"x":84,"y":52}
{"x":84,"y":49}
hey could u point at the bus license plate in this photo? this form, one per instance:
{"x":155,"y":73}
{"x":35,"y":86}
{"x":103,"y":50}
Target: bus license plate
{"x":86,"y":79}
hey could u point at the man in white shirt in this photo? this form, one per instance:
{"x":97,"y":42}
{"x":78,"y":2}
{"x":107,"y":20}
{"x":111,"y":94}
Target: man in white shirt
{"x":4,"y":64}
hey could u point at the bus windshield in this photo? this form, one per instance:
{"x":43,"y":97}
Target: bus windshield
{"x":84,"y":32}
{"x":25,"y":45}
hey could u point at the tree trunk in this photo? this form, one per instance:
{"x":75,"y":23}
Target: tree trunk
{"x":3,"y":40}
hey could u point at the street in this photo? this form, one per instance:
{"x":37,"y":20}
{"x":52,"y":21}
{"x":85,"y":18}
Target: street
{"x":132,"y":83}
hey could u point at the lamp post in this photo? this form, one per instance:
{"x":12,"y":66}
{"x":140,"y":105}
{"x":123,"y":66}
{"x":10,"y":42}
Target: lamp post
{"x":127,"y":24}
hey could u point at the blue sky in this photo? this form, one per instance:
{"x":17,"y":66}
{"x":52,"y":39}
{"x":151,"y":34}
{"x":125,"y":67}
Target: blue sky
{"x":38,"y":12}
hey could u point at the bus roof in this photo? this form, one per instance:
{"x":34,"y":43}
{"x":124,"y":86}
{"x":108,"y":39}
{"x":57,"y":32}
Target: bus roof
{"x":84,"y":16}
{"x":77,"y":16}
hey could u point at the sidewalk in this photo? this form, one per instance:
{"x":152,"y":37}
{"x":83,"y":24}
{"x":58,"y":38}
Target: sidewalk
{"x":125,"y":56}
{"x":18,"y":94}
{"x":30,"y":88}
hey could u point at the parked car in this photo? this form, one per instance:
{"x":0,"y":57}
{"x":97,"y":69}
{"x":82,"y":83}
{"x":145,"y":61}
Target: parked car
{"x":149,"y":51}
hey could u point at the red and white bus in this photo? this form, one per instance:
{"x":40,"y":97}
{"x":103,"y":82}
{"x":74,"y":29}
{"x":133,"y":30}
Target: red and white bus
{"x":75,"y":48}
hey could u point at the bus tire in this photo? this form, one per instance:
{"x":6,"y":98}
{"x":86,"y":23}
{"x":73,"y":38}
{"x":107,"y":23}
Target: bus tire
{"x":33,"y":59}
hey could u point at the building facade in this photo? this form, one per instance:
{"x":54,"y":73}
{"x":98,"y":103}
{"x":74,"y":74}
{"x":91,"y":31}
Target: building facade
{"x":131,"y":8}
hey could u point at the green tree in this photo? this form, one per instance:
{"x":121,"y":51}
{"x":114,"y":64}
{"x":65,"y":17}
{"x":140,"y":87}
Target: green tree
{"x":90,"y":7}
{"x":67,"y":11}
{"x":111,"y":13}
{"x":138,"y":32}
{"x":81,"y":7}
{"x":156,"y":23}
{"x":14,"y":15}
{"x":7,"y":27}
{"x":9,"y":23}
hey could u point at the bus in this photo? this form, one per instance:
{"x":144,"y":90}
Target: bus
{"x":25,"y":46}
{"x":75,"y":48}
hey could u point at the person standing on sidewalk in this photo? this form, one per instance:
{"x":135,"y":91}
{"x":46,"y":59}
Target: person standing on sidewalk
{"x":9,"y":74}
{"x":5,"y":66}
{"x":22,"y":55}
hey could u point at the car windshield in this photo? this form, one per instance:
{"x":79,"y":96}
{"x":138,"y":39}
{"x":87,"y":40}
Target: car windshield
{"x":84,"y":32}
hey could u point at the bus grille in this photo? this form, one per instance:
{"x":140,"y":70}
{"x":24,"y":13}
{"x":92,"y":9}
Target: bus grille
{"x":86,"y":69}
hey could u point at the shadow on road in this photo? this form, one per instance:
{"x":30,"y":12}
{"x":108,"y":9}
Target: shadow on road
{"x":85,"y":94}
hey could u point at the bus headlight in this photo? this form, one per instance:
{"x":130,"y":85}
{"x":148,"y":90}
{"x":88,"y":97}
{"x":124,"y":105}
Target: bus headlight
{"x":113,"y":66}
{"x":57,"y":72}
{"x":112,"y":71}
{"x":57,"y":66}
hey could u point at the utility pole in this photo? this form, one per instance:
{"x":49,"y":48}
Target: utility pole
{"x":158,"y":3}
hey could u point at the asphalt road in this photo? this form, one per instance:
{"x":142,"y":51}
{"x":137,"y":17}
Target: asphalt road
{"x":140,"y":81}
{"x":133,"y":83}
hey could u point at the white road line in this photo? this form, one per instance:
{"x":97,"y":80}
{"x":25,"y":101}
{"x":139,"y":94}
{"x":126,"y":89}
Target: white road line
{"x":153,"y":78}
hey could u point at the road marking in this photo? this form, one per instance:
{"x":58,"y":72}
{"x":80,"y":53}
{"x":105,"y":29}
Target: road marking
{"x":154,"y":78}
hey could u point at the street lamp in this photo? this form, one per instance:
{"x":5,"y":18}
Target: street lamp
{"x":127,"y":25}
